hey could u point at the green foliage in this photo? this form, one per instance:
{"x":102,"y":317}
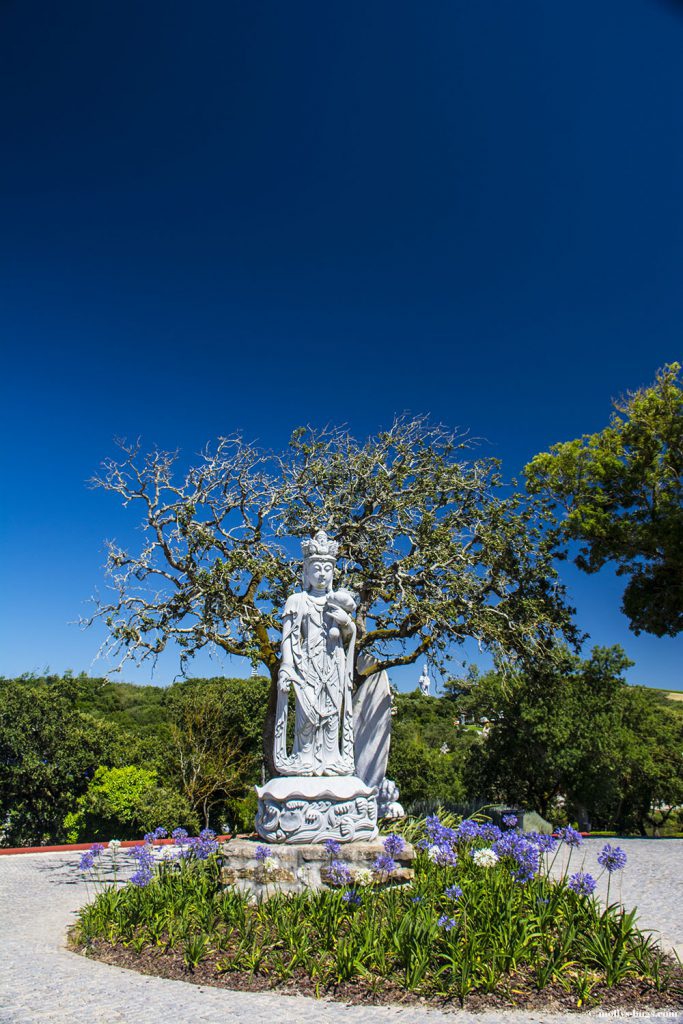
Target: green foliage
{"x":621,"y":494}
{"x":117,"y":793}
{"x":126,"y":802}
{"x":243,"y":813}
{"x":422,"y":729}
{"x":49,"y":751}
{"x":477,"y":695}
{"x":580,"y":732}
{"x":612,"y":750}
{"x":498,"y":936}
{"x":648,"y":774}
{"x":216,"y":728}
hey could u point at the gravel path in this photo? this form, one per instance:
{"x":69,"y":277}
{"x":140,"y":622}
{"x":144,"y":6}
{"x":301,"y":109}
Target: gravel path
{"x":41,"y":981}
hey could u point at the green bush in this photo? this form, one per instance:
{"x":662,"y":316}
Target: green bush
{"x":127,"y":802}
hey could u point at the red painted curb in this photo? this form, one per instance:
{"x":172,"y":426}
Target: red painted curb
{"x":76,"y":847}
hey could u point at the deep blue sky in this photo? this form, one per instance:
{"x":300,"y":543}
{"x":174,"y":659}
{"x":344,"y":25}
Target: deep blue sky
{"x":256,"y":215}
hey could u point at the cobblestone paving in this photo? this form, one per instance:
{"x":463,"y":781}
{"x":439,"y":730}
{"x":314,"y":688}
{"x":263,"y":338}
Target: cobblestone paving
{"x":40,"y":981}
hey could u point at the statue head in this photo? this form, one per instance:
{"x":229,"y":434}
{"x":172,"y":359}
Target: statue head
{"x":320,"y":555}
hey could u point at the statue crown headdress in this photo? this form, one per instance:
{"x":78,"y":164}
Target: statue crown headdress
{"x":320,"y":546}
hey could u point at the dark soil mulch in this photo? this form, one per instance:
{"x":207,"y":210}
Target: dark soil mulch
{"x":520,"y":992}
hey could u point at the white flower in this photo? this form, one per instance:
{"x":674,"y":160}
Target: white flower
{"x":269,"y":865}
{"x":114,"y":844}
{"x":363,"y":877}
{"x":485,"y":858}
{"x":434,"y":852}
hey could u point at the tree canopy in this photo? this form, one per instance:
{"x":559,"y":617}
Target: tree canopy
{"x":577,"y":731}
{"x":49,"y":752}
{"x":429,"y":542}
{"x":620,"y":494}
{"x":434,"y":546}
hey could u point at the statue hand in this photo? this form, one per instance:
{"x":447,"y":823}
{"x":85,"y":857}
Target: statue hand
{"x":283,"y":682}
{"x":339,"y":616}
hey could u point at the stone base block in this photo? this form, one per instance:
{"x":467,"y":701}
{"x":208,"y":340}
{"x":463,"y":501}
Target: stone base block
{"x":306,"y":809}
{"x":300,"y":867}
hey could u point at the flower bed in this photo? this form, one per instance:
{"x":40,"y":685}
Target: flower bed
{"x":482,"y":924}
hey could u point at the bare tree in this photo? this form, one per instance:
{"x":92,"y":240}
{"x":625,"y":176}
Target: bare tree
{"x":435,"y":547}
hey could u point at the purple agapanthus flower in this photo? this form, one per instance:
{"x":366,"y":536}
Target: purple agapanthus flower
{"x":352,"y":897}
{"x":612,"y":858}
{"x":444,"y":856}
{"x":525,"y":854}
{"x":141,"y":877}
{"x":179,"y":834}
{"x":158,"y":833}
{"x":332,"y":847}
{"x":96,"y":849}
{"x":467,"y":831}
{"x":447,"y":923}
{"x":453,"y":892}
{"x":144,"y":856}
{"x":542,"y":841}
{"x":262,"y":853}
{"x":438,"y":834}
{"x":509,"y":820}
{"x":582,"y":883}
{"x":203,"y":845}
{"x":570,"y":836}
{"x":394,"y":845}
{"x":416,"y":899}
{"x":338,"y":873}
{"x":87,"y":861}
{"x":489,"y":832}
{"x":384,"y":864}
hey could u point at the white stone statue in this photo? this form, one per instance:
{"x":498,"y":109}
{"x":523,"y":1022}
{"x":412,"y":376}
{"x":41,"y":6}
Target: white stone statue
{"x":317,"y":794}
{"x":387,"y":800}
{"x":318,"y":643}
{"x":424,"y":682}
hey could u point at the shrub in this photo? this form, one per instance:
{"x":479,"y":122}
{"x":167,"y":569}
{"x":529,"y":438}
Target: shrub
{"x":126,"y":802}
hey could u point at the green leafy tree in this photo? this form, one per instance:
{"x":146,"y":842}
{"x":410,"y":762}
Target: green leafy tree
{"x":477,"y":694}
{"x":647,"y":787}
{"x":126,"y":802}
{"x":216,"y":730}
{"x":49,"y":751}
{"x":427,"y":752}
{"x":435,"y":547}
{"x":620,"y":493}
{"x":578,"y":731}
{"x":554,"y":735}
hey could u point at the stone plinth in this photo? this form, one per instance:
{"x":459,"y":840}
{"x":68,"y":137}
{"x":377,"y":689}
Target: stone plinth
{"x":301,"y":867}
{"x":303,"y":809}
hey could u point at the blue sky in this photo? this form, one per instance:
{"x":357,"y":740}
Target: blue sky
{"x":253,"y":216}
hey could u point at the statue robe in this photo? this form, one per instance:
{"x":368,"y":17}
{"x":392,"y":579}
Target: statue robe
{"x":319,"y":671}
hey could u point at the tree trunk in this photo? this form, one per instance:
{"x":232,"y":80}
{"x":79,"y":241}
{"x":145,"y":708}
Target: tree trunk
{"x":269,"y":726}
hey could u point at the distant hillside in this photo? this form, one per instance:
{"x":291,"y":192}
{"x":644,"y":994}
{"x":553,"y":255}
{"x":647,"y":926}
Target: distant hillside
{"x":672,"y":699}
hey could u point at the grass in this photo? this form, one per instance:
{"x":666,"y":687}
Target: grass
{"x":501,"y":942}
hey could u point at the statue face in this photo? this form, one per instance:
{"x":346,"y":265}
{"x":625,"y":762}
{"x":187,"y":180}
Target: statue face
{"x":318,"y":575}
